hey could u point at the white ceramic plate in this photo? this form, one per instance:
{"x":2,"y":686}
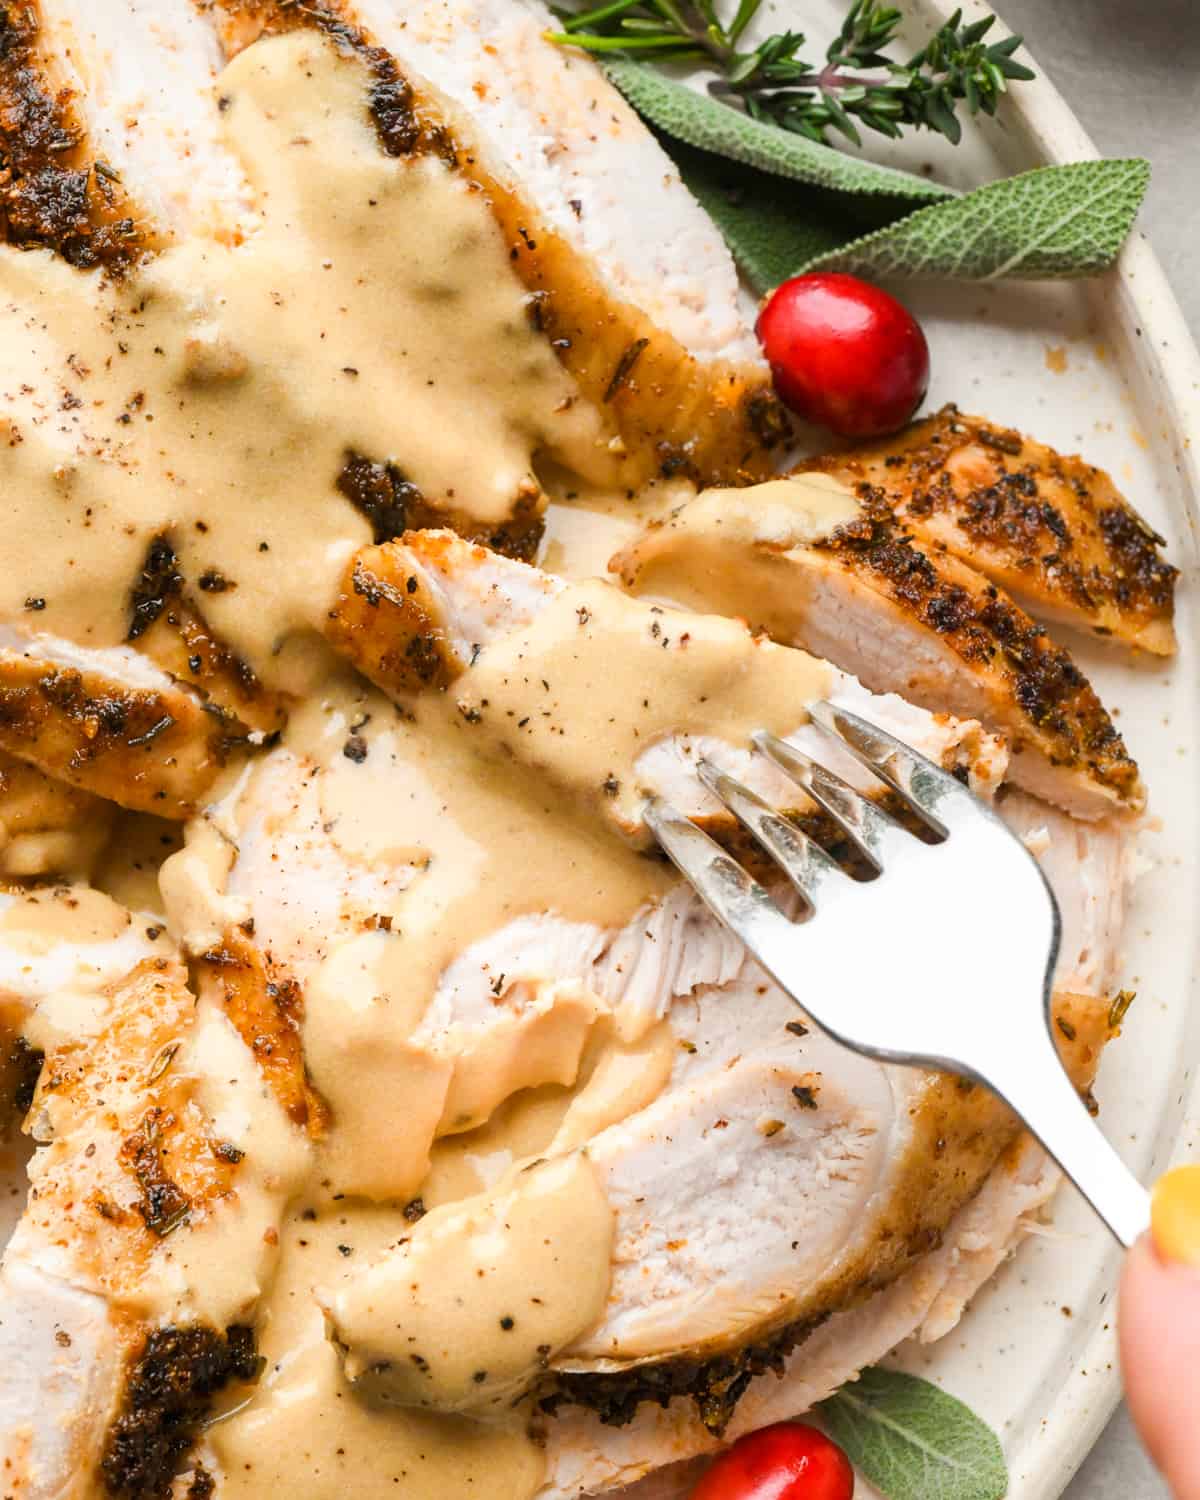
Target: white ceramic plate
{"x":1105,"y":368}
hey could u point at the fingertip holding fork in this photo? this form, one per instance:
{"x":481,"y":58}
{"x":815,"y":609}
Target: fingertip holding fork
{"x":898,"y":948}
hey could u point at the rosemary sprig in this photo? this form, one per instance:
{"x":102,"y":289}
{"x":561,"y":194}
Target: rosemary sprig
{"x":857,"y":85}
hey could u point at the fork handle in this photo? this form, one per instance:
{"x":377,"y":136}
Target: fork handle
{"x":1040,"y":1091}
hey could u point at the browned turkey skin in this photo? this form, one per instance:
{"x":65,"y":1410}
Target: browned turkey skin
{"x":953,"y":640}
{"x":155,"y":751}
{"x":1052,"y":530}
{"x":53,"y":192}
{"x":983,"y":626}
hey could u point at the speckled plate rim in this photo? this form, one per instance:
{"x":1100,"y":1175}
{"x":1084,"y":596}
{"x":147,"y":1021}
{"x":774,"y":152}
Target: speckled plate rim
{"x":1161,"y":361}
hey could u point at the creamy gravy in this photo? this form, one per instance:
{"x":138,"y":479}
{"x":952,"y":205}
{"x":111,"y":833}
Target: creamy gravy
{"x":734,"y":550}
{"x":304,"y":1431}
{"x":129,"y":868}
{"x":62,"y":949}
{"x":47,"y":827}
{"x":358,"y":1053}
{"x":213,"y":400}
{"x":482,"y":844}
{"x":598,"y":679}
{"x":615,"y":1079}
{"x":460,"y":847}
{"x":218,"y":1266}
{"x":466,"y":1311}
{"x":215,"y":397}
{"x":626,"y":1074}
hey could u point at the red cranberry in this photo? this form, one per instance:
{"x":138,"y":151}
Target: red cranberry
{"x":844,"y":353}
{"x":789,"y":1461}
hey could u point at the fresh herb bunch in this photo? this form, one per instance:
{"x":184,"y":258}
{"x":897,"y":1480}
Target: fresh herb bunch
{"x":858,"y":84}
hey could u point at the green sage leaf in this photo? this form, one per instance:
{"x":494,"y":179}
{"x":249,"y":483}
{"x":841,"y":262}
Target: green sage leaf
{"x":706,"y":123}
{"x":1051,"y":222}
{"x":773,"y":229}
{"x":913,"y":1441}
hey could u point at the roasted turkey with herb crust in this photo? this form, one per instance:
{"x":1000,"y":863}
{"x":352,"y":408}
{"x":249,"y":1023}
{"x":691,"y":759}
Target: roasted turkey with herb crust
{"x":1053,"y":531}
{"x":952,"y":639}
{"x":310,"y":312}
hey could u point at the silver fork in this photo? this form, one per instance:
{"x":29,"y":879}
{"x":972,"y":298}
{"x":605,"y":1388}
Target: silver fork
{"x":944,"y":960}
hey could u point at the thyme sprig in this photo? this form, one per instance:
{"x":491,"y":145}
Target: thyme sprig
{"x":857,"y":85}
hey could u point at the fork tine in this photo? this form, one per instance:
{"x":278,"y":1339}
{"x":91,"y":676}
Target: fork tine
{"x":733,"y":896}
{"x":876,"y":836}
{"x":932,"y":793}
{"x":804,"y":863}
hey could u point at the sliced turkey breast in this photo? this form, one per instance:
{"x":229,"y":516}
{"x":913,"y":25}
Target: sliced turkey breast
{"x":315,"y":847}
{"x":835,"y":1138}
{"x":576,"y":147}
{"x":296,"y":910}
{"x":128,"y":398}
{"x":1054,"y":532}
{"x":146,"y":1192}
{"x":433,"y":611}
{"x":329,"y":857}
{"x":858,"y":591}
{"x":109,"y":722}
{"x":569,"y":139}
{"x":775,"y":1179}
{"x":332,"y":905}
{"x":656,"y":342}
{"x":1090,"y":867}
{"x":413,"y":614}
{"x":673,"y":1325}
{"x":140,"y":76}
{"x":665,"y":358}
{"x":580,"y":1454}
{"x":48,"y":827}
{"x":138,"y":86}
{"x":417,"y":909}
{"x":858,"y":1192}
{"x":588,"y":1457}
{"x":469,"y":603}
{"x":175,"y":634}
{"x":53,"y":190}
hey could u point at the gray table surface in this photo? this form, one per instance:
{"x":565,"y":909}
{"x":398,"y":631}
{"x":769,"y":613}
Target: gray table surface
{"x":1131,"y":72}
